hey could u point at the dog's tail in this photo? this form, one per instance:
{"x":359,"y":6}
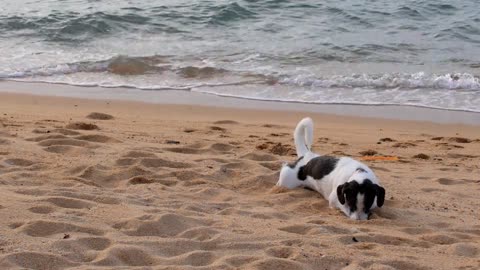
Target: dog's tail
{"x":303,"y":136}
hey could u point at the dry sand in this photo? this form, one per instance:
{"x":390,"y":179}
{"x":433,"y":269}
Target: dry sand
{"x":191,"y":187}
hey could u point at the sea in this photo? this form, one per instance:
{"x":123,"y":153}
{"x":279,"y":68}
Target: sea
{"x":372,"y":52}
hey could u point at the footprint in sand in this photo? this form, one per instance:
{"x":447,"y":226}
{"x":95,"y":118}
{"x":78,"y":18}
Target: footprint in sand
{"x":195,"y":258}
{"x":399,"y":264}
{"x":226,"y":122}
{"x":460,"y":156}
{"x":95,"y":196}
{"x":61,"y":144}
{"x":404,"y":145}
{"x":102,"y":176}
{"x":277,"y":148}
{"x":95,"y":243}
{"x":464,"y":250}
{"x":189,"y":130}
{"x":43,"y":228}
{"x":298,"y":229}
{"x":122,"y":255}
{"x":429,"y":190}
{"x":216,"y":128}
{"x":447,"y":181}
{"x":271,"y":126}
{"x":387,"y":139}
{"x":65,"y":142}
{"x":158,"y":162}
{"x":369,"y":152}
{"x":257,"y":184}
{"x":56,"y":131}
{"x":81,"y":140}
{"x":422,"y":156}
{"x":237,"y":165}
{"x":20,"y":162}
{"x":448,"y":169}
{"x":140,"y":154}
{"x":42,"y":209}
{"x":167,"y":225}
{"x":35,"y":260}
{"x":376,"y":168}
{"x":68,"y":150}
{"x":126,"y":161}
{"x":459,"y":140}
{"x":186,"y":175}
{"x":384,"y":240}
{"x":99,"y":116}
{"x":69,"y":203}
{"x":274,"y":166}
{"x":47,"y":137}
{"x":259,"y":157}
{"x":216,"y":148}
{"x":448,"y":146}
{"x":4,"y":142}
{"x":140,"y":180}
{"x":278,"y":134}
{"x":134,"y":157}
{"x":185,"y":150}
{"x":199,"y":234}
{"x":97,"y":138}
{"x":66,"y":132}
{"x":278,"y":263}
{"x":334,"y":229}
{"x":83,"y":249}
{"x":221,"y":147}
{"x":416,"y":230}
{"x":281,"y":252}
{"x":439,"y":239}
{"x":238,"y":261}
{"x":33,"y":191}
{"x":82,"y":126}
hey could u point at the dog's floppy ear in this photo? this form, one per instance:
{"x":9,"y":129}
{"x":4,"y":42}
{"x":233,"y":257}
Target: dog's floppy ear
{"x":380,"y":196}
{"x":341,"y":194}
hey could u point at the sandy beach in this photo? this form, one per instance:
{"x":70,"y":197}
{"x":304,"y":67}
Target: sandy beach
{"x":107,"y":184}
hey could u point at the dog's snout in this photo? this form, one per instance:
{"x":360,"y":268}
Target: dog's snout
{"x":359,"y":216}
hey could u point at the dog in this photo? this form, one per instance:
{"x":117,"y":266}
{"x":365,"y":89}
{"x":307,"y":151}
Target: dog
{"x":346,"y":183}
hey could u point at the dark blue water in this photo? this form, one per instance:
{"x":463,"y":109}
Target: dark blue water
{"x":421,"y":53}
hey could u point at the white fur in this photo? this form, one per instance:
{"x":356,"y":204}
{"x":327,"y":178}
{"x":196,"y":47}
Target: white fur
{"x":346,"y":170}
{"x":303,"y":136}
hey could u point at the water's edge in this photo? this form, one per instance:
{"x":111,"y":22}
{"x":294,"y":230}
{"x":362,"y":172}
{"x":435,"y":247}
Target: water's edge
{"x":393,"y":112}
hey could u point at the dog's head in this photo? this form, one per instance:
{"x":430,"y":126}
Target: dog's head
{"x":360,"y":196}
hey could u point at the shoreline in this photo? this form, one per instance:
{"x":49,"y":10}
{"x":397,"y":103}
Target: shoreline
{"x":180,"y":97}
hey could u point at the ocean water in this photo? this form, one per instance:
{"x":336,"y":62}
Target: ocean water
{"x":417,"y":53}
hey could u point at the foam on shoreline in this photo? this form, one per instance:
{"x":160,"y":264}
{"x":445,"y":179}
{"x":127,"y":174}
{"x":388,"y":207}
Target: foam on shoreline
{"x":193,"y":98}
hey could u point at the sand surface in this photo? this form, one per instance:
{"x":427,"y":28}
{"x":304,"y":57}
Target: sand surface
{"x":190,"y":187}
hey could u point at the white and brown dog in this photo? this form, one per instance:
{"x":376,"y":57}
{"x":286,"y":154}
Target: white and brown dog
{"x":346,"y":183}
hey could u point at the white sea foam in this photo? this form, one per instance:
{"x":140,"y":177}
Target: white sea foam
{"x":446,"y":91}
{"x":390,"y":80}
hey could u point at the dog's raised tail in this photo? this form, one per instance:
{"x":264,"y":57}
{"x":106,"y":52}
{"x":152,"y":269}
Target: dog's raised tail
{"x":303,"y":136}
